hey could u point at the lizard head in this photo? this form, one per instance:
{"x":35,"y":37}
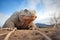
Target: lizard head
{"x":28,"y":15}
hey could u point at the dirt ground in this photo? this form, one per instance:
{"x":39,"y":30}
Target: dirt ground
{"x":26,"y":34}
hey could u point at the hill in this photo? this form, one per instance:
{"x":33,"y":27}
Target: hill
{"x":40,"y":25}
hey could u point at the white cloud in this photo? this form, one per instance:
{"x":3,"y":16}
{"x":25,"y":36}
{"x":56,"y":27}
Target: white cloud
{"x":3,"y":18}
{"x":1,"y":14}
{"x":50,"y":7}
{"x":33,"y":3}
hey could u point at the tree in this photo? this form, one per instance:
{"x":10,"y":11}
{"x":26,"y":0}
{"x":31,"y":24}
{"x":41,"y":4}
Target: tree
{"x":55,"y":20}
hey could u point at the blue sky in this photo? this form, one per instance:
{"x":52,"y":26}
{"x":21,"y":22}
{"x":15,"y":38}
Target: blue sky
{"x":9,"y":6}
{"x":44,"y":9}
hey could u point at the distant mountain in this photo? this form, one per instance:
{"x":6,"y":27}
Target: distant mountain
{"x":43,"y":25}
{"x":0,"y":26}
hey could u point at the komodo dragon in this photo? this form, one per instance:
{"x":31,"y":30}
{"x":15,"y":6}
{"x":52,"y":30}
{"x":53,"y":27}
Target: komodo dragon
{"x":21,"y":20}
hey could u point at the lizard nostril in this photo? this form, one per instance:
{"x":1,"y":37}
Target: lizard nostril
{"x":35,"y":16}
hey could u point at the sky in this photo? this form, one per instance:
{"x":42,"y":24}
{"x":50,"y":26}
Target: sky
{"x":44,"y":9}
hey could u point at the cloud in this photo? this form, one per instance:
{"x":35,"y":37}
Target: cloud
{"x":50,"y":8}
{"x":52,"y":5}
{"x":33,"y":3}
{"x":3,"y":18}
{"x":1,"y":14}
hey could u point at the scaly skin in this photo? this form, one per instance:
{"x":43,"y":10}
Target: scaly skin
{"x":21,"y":20}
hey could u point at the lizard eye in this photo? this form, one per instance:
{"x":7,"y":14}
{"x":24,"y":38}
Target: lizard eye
{"x":26,"y":10}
